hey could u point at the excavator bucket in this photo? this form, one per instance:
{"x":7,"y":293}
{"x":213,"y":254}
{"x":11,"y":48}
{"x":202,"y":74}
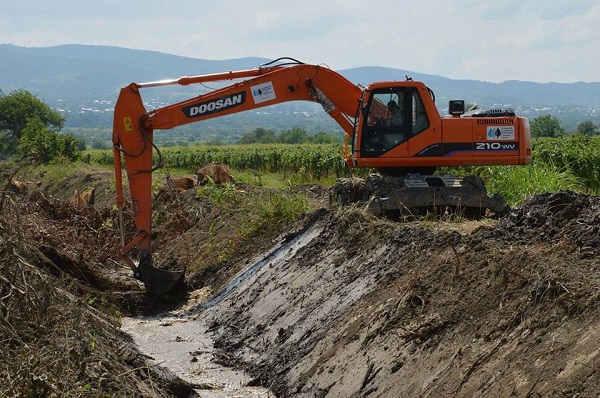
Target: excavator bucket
{"x":157,"y":281}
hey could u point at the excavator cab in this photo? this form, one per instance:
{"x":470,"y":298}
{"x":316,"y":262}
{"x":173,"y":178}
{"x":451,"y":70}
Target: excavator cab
{"x":391,"y":118}
{"x":384,"y":125}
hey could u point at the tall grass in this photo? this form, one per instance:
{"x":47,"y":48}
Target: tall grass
{"x":579,"y":153}
{"x":278,"y":209}
{"x":517,"y":183}
{"x":261,"y":211}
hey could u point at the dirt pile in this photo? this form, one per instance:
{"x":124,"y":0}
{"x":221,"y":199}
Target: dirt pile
{"x":361,"y":307}
{"x":59,"y":315}
{"x":552,"y":217}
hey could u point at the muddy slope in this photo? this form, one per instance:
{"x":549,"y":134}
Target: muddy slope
{"x":354,"y":306}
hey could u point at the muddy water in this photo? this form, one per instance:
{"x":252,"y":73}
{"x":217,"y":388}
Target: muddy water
{"x":180,"y":342}
{"x":184,"y":346}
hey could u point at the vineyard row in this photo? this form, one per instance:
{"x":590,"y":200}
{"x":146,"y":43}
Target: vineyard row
{"x":578,"y":154}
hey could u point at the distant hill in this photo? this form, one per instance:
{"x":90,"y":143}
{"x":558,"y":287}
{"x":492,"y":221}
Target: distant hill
{"x":510,"y":92}
{"x":96,"y":72}
{"x":83,"y":81}
{"x":83,"y":71}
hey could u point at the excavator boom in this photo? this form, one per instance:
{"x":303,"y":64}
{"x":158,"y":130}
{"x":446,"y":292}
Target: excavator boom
{"x":133,"y":129}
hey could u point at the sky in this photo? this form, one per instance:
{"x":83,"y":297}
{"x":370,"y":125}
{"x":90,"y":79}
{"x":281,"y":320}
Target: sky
{"x":529,"y":40}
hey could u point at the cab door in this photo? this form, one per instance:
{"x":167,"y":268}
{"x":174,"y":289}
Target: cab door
{"x":425,"y":131}
{"x":387,"y":124}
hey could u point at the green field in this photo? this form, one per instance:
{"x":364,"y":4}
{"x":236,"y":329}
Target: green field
{"x":559,"y":163}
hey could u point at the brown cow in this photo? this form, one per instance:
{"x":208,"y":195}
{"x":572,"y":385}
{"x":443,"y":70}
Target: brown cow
{"x":85,"y":198}
{"x":219,"y":173}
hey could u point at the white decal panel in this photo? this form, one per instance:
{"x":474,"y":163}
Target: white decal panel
{"x":501,"y":132}
{"x":263,"y":92}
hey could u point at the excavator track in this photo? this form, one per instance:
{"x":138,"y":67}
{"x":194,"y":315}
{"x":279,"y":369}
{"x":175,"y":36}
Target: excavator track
{"x":415,"y":194}
{"x":348,"y":190}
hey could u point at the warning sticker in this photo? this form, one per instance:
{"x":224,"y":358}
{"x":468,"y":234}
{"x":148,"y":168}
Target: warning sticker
{"x":263,"y":92}
{"x":501,"y":132}
{"x":128,"y":124}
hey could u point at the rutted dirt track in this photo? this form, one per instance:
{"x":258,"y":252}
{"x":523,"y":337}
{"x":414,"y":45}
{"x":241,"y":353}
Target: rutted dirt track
{"x":346,"y":305}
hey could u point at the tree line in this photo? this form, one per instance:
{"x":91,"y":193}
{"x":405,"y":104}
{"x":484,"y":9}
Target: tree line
{"x":293,"y":136}
{"x":550,"y":126}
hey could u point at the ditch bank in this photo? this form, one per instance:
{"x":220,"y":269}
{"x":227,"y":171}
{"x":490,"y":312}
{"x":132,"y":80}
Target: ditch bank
{"x":366,"y":307}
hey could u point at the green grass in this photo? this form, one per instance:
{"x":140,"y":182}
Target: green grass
{"x":579,"y":153}
{"x":518,"y":183}
{"x":241,"y":218}
{"x":278,"y":209}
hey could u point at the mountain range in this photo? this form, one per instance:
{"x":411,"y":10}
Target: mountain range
{"x":84,"y":81}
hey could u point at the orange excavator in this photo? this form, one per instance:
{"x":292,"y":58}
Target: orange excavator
{"x":393,"y":127}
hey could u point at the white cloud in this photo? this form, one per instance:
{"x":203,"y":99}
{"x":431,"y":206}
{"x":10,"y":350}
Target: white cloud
{"x":537,"y":40}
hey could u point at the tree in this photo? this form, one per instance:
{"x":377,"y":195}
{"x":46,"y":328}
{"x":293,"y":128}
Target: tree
{"x":40,"y":145}
{"x":259,"y":136}
{"x":294,"y":136}
{"x":16,"y":110}
{"x":546,"y":126}
{"x":587,"y":128}
{"x":324,"y":138}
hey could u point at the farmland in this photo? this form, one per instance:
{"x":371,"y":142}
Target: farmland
{"x":577,"y":156}
{"x":317,"y":160}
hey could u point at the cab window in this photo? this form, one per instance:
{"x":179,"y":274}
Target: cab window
{"x":420,"y":121}
{"x":388,"y":121}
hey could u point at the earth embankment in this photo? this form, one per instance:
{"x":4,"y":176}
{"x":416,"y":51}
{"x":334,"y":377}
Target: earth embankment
{"x":337,"y":304}
{"x":364,"y":307}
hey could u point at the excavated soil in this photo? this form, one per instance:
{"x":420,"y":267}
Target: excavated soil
{"x":338,"y":304}
{"x":365,"y":308}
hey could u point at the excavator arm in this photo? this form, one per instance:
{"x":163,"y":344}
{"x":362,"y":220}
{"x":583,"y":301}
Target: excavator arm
{"x":133,"y":129}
